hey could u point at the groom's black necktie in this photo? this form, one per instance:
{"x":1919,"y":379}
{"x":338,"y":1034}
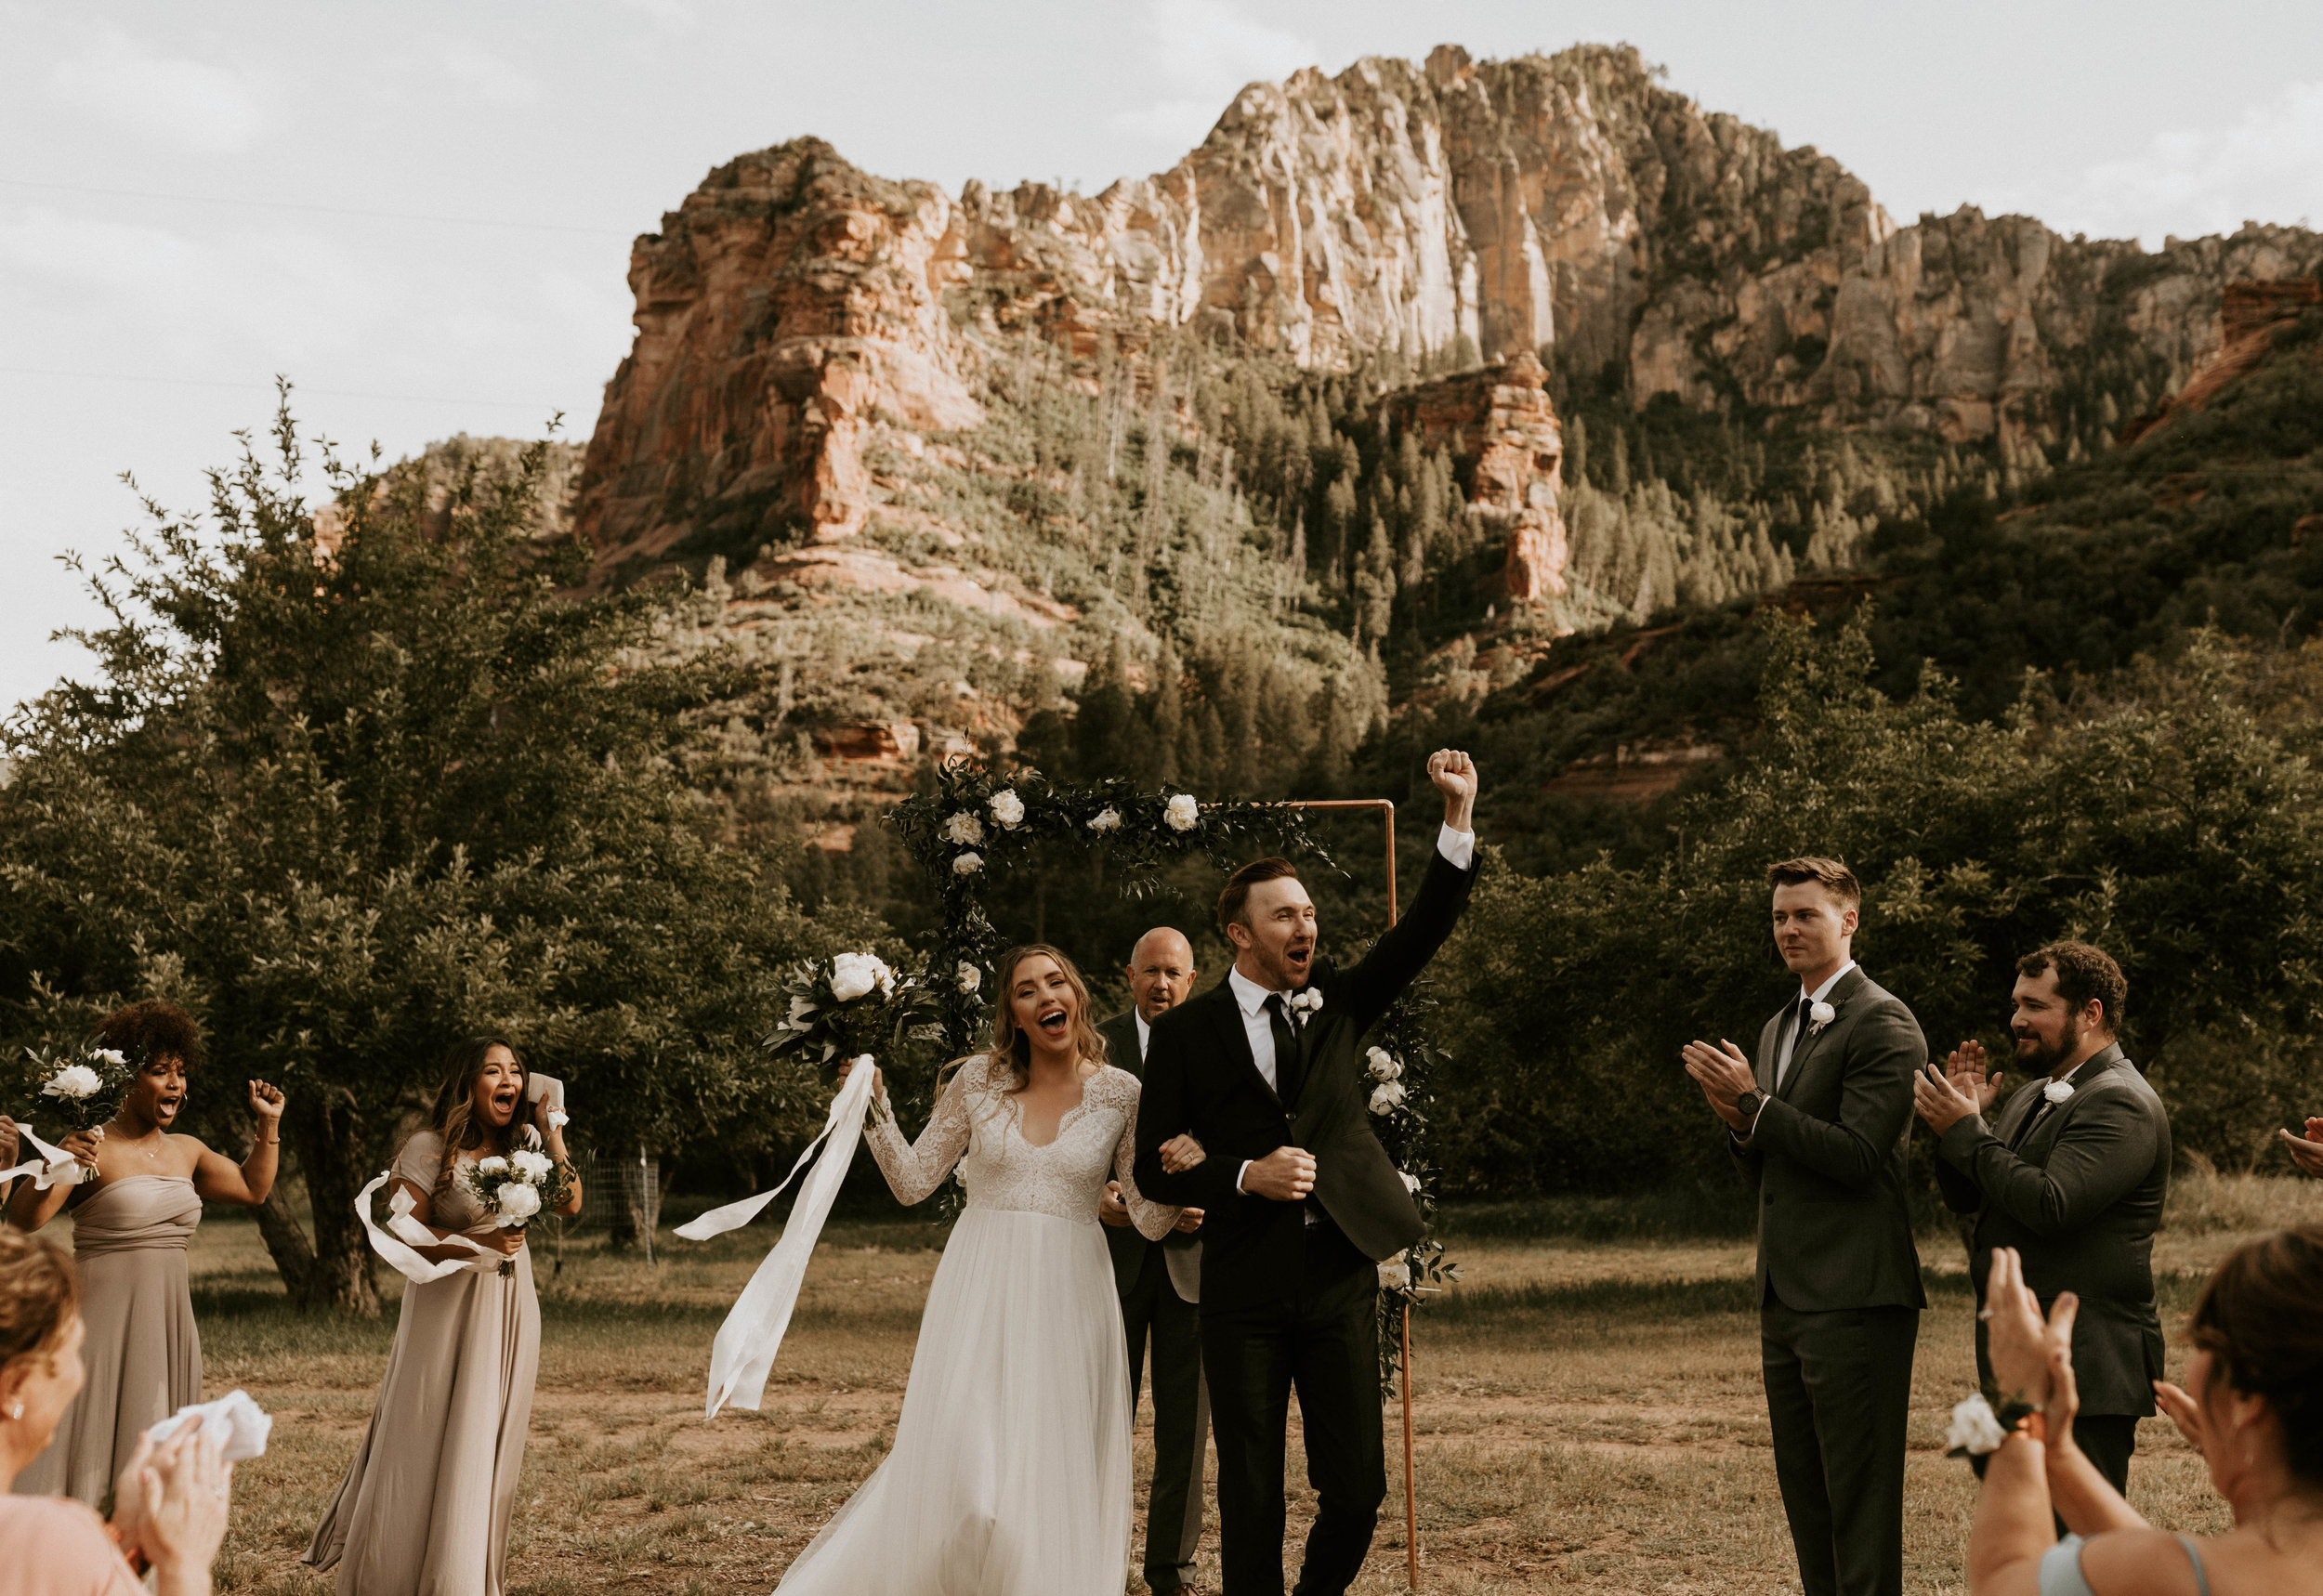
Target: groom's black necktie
{"x":1289,"y":1073}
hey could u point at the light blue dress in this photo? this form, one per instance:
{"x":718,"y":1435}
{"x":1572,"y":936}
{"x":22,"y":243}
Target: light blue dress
{"x":2061,"y":1568}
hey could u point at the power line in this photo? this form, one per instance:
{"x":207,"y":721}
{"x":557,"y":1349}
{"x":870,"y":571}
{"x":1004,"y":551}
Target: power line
{"x":316,"y":210}
{"x":534,"y":406}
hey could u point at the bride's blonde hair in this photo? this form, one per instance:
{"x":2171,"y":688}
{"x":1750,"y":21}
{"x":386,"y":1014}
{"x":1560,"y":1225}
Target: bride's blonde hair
{"x":1010,"y":1045}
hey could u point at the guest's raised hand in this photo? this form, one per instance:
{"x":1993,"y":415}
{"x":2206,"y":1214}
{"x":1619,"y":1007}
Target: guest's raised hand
{"x":2018,"y":1339}
{"x":2185,"y":1413}
{"x":1181,"y":1153}
{"x":1111,"y":1209}
{"x":2306,"y":1153}
{"x":1938,"y":1101}
{"x":1286,"y":1174}
{"x":265,"y":1102}
{"x":185,"y":1489}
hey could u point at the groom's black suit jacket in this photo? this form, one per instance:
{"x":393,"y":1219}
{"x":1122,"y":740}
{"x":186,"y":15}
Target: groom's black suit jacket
{"x":1201,"y":1077}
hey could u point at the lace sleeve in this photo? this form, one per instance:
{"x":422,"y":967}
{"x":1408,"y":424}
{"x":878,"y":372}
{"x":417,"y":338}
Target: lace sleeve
{"x":915,"y":1168}
{"x":1153,"y":1220}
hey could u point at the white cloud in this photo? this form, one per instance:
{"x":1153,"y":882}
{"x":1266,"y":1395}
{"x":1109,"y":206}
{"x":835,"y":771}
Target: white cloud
{"x":183,"y":102}
{"x":2266,"y":167}
{"x":487,"y":77}
{"x":1204,"y":51}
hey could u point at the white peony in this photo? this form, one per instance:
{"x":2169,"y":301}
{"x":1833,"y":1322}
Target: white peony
{"x":532,"y":1167}
{"x":964,"y":829}
{"x":1007,"y":808}
{"x":114,"y":1056}
{"x":1181,"y":813}
{"x":518,"y":1202}
{"x":495,"y":1165}
{"x":2057,"y":1091}
{"x":1411,"y":1182}
{"x":969,"y":976}
{"x":1106,"y":819}
{"x":1384,"y":1065}
{"x":852,"y":974}
{"x":1395,"y":1274}
{"x":967,"y":864}
{"x":1386,"y":1097}
{"x":1975,"y":1429}
{"x":74,"y":1082}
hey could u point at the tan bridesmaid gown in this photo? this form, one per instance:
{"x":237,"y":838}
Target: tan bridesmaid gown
{"x":425,"y":1508}
{"x":142,"y":1352}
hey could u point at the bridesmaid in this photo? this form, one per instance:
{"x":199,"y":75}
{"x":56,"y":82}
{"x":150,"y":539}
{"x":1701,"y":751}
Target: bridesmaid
{"x":425,"y":1507}
{"x":130,"y":1227}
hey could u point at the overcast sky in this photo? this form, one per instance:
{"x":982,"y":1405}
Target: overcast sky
{"x":421,"y":212}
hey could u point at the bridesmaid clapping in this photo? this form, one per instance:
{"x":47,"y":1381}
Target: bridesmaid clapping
{"x":425,"y":1507}
{"x":130,"y":1227}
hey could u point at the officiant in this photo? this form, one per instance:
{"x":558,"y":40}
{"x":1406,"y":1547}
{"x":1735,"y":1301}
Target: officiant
{"x":1159,"y":1283}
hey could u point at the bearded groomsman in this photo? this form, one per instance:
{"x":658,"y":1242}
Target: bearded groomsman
{"x":1159,"y":1283}
{"x":1820,"y":1125}
{"x":2073,"y":1176}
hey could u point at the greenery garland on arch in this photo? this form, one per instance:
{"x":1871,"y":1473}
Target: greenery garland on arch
{"x":978,"y":822}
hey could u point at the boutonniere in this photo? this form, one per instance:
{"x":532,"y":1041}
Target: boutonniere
{"x":1819,"y":1016}
{"x":2057,"y":1091}
{"x":1305,"y":1004}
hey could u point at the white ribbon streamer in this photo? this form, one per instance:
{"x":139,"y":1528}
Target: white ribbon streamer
{"x":408,"y":1234}
{"x":238,"y":1425}
{"x":743,"y":1353}
{"x":49,"y":1169}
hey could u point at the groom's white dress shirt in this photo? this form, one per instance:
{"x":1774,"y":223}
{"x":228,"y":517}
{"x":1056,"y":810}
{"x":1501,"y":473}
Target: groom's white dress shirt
{"x":1791,"y":1032}
{"x":1459,"y":849}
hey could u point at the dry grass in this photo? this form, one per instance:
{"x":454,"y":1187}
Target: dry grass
{"x":1587,"y":1413}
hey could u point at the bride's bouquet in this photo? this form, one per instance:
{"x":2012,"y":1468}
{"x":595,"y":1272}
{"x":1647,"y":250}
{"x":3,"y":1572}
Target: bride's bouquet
{"x":842,"y":1006}
{"x":516,"y":1188}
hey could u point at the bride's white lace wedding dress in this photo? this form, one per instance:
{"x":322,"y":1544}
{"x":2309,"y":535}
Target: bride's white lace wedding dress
{"x":1010,"y":1471}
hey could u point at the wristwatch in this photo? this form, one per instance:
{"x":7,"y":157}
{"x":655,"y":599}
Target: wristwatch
{"x":1748,"y":1103}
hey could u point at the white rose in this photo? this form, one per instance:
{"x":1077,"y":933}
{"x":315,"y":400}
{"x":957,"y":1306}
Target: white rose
{"x":1976,"y":1429}
{"x":964,"y":828}
{"x":495,"y":1165}
{"x":1820,"y":1015}
{"x":967,"y":864}
{"x":1106,"y":819}
{"x":1007,"y":808}
{"x":1384,"y":1065}
{"x":1386,"y":1097}
{"x":1411,"y":1182}
{"x":1395,"y":1274}
{"x":852,"y":974}
{"x":1182,"y":812}
{"x":517,"y":1201}
{"x":969,"y":976}
{"x":530,"y":1166}
{"x":114,"y":1056}
{"x":2057,"y":1091}
{"x":74,"y":1082}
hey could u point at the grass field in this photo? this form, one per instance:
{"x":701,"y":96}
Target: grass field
{"x":1588,"y":1412}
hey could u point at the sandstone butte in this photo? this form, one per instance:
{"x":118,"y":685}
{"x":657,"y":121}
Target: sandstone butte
{"x":1568,"y":206}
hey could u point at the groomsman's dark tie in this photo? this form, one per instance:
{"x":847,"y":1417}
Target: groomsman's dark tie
{"x":1288,"y":1072}
{"x":1798,"y":1037}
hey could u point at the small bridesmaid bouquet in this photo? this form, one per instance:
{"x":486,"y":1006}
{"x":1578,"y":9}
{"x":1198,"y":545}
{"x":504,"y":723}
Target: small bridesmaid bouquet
{"x":514,"y":1188}
{"x":83,"y":1084}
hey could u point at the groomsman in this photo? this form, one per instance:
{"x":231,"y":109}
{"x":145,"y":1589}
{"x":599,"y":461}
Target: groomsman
{"x":2073,"y":1176}
{"x":1819,"y":1124}
{"x":1265,"y":1070}
{"x":1159,"y":1283}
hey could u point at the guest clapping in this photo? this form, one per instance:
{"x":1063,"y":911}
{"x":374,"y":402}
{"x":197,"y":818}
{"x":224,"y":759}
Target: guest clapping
{"x":172,"y":1499}
{"x":131,"y":1225}
{"x":2307,"y":1151}
{"x":2252,"y":1405}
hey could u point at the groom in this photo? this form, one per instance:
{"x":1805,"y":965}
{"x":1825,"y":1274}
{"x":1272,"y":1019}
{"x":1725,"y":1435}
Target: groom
{"x":1265,"y":1070}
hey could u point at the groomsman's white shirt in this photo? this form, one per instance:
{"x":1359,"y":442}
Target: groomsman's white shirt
{"x":1791,"y":1032}
{"x":1145,"y":1032}
{"x":1459,"y":849}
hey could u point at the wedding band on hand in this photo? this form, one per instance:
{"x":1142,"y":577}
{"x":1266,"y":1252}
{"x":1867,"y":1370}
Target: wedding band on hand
{"x":1984,"y":1314}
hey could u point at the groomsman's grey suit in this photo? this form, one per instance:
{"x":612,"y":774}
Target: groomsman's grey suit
{"x":1839,"y":1286}
{"x":2077,"y":1187}
{"x":1159,"y":1283}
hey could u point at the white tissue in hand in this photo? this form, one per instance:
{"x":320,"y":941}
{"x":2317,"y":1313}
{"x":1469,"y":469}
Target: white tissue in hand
{"x":238,"y":1426}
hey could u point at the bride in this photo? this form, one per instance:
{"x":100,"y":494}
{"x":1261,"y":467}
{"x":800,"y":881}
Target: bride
{"x":1010,"y":1471}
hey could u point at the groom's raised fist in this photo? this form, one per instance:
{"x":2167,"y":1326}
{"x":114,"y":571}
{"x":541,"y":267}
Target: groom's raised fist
{"x":1454,"y":775}
{"x":1286,"y":1174}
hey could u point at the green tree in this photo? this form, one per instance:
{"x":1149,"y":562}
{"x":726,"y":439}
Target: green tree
{"x":352,"y":788}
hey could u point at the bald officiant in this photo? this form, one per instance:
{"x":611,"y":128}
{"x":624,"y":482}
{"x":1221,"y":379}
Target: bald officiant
{"x":1160,"y":1283}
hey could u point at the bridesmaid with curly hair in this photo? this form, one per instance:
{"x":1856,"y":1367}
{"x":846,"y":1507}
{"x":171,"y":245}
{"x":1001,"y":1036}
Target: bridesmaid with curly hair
{"x":425,"y":1505}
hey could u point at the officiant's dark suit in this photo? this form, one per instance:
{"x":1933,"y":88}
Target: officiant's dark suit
{"x":2077,"y":1187}
{"x":1289,"y":1289}
{"x":1838,"y":1287}
{"x":1159,"y":1283}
